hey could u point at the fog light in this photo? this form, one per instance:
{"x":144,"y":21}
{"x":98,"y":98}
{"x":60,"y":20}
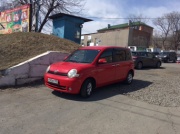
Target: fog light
{"x":70,"y":89}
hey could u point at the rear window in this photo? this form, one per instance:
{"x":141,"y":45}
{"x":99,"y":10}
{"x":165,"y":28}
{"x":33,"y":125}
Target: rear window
{"x":119,"y":55}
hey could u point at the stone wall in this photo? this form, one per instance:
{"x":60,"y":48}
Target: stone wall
{"x":30,"y":70}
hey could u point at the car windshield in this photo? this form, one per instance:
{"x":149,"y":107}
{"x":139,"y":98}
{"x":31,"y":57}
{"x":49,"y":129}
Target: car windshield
{"x":83,"y":56}
{"x":138,"y":54}
{"x":164,"y":53}
{"x":134,"y":54}
{"x":155,"y":53}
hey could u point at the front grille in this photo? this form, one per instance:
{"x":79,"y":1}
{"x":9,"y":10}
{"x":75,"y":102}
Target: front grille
{"x":57,"y":73}
{"x":57,"y":86}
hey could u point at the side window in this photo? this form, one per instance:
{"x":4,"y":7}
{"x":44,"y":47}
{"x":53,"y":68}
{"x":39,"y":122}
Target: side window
{"x":143,"y":54}
{"x":107,"y":54}
{"x":128,"y":55}
{"x":149,"y":55}
{"x":119,"y":55}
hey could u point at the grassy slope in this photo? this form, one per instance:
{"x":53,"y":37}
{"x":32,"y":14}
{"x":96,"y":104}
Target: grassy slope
{"x":18,"y":47}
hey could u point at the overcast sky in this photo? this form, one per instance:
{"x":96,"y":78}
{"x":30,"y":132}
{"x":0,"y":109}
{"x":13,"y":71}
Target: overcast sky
{"x":122,"y":9}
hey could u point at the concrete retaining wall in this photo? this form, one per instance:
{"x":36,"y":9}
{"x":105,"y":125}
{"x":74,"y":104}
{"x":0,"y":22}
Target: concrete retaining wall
{"x":30,"y":70}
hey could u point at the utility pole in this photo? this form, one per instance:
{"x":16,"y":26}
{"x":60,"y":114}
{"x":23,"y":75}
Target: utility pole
{"x":37,"y":15}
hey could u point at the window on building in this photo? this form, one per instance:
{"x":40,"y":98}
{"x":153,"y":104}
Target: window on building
{"x":77,"y":36}
{"x":88,"y":42}
{"x":89,"y":37}
{"x":82,"y":37}
{"x":136,"y":27}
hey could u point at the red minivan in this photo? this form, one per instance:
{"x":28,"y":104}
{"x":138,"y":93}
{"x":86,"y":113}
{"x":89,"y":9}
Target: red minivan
{"x":90,"y":67}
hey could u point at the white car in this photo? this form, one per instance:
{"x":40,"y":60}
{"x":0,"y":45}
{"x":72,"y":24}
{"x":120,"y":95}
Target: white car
{"x":178,"y":59}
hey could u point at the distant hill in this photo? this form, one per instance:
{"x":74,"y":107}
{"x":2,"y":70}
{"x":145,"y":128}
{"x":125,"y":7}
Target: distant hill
{"x":18,"y":47}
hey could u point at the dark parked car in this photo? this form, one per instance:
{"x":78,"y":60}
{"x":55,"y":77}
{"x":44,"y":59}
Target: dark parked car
{"x":145,"y":59}
{"x":156,"y":54}
{"x":168,"y":56}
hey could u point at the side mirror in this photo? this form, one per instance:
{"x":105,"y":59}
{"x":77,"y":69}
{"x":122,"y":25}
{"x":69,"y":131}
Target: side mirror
{"x":102,"y":61}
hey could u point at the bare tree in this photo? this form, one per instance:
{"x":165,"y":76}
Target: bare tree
{"x":138,"y":18}
{"x":169,"y":30}
{"x":156,"y":43}
{"x":164,"y":25}
{"x":175,"y":30}
{"x":44,"y":8}
{"x":4,"y":6}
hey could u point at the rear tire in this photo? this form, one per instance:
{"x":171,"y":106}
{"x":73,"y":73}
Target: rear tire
{"x":86,"y":89}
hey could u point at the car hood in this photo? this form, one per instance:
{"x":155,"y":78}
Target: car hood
{"x":65,"y":67}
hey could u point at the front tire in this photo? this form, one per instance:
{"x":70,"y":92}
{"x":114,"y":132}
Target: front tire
{"x":139,"y":65}
{"x":129,"y":78}
{"x":158,"y":64}
{"x":86,"y":89}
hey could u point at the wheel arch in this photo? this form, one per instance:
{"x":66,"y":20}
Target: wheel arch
{"x":132,"y":71}
{"x":92,"y":79}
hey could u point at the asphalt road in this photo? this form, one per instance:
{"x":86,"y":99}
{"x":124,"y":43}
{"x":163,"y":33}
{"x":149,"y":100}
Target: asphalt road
{"x":36,"y":109}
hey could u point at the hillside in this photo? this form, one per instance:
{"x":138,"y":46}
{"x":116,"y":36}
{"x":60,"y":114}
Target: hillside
{"x":18,"y":47}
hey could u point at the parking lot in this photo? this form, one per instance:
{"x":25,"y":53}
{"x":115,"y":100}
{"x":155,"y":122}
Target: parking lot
{"x":149,"y":105}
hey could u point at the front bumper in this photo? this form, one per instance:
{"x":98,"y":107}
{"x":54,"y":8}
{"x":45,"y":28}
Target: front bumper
{"x":163,"y":58}
{"x":65,"y":84}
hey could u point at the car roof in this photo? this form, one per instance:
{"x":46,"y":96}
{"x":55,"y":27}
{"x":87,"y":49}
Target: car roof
{"x":101,"y":47}
{"x":168,"y":52}
{"x":139,"y":52}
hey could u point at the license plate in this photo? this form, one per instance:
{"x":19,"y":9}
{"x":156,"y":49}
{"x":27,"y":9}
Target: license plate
{"x":52,"y":81}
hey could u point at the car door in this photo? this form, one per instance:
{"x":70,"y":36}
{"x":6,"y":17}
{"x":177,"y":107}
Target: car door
{"x":151,"y":59}
{"x":105,"y":73}
{"x":144,"y":59}
{"x":119,"y":59}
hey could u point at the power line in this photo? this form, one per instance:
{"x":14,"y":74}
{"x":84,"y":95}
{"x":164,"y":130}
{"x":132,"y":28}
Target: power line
{"x":121,"y":18}
{"x":117,"y":18}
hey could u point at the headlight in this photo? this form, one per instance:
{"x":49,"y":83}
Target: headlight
{"x":47,"y":69}
{"x":165,"y":56}
{"x":73,"y":73}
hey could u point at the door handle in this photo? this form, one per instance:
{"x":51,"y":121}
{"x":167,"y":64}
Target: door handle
{"x":117,"y":64}
{"x":113,"y":65}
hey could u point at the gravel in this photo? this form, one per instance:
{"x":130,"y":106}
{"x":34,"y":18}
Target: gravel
{"x":157,"y":86}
